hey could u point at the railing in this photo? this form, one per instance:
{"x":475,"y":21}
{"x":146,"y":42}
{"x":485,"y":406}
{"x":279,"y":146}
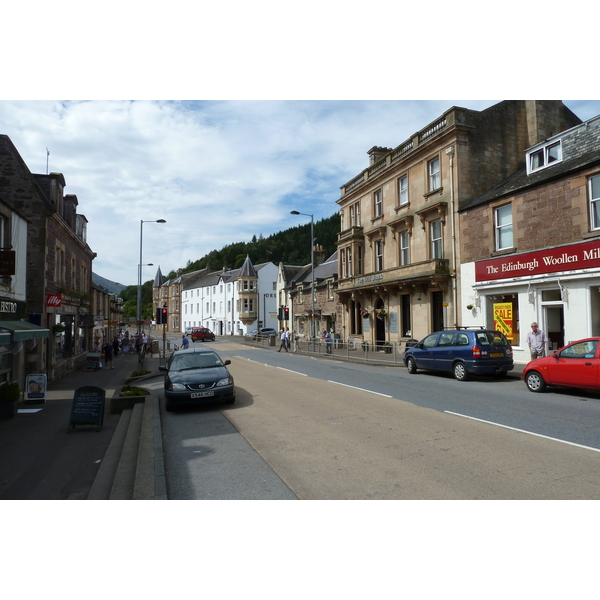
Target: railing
{"x":352,"y":350}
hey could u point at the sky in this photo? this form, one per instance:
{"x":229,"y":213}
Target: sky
{"x":218,"y":172}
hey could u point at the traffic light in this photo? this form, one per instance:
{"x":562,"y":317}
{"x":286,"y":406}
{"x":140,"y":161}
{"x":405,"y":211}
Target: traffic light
{"x":286,"y":313}
{"x":162,"y":315}
{"x":280,"y":314}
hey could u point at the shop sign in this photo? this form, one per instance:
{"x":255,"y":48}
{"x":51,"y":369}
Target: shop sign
{"x":7,"y":263}
{"x":503,"y":319}
{"x":54,"y":300}
{"x":552,"y":260}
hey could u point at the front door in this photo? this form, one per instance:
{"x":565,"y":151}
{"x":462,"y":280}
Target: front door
{"x":437,"y":310}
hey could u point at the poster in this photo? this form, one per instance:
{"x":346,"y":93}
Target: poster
{"x":503,"y":319}
{"x":35,"y":388}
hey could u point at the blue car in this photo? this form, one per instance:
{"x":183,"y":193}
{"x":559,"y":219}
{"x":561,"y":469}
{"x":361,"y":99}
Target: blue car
{"x":462,"y":352}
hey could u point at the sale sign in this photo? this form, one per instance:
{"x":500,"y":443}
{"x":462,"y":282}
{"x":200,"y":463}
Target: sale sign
{"x":54,"y":300}
{"x":503,"y":319}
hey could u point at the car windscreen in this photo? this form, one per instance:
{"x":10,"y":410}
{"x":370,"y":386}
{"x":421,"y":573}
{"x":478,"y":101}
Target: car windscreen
{"x":491,"y":338}
{"x":196,"y":360}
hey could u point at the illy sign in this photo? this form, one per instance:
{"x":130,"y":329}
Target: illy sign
{"x":54,"y":300}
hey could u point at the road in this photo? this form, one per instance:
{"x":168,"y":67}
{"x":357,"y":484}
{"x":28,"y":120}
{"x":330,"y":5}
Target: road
{"x":322,"y":429}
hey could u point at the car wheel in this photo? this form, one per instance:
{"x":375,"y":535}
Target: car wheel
{"x":411,"y":365}
{"x":460,"y":371}
{"x":535,"y":382}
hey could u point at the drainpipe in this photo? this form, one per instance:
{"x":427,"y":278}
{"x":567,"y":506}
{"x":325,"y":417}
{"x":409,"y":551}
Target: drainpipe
{"x":450,"y":153}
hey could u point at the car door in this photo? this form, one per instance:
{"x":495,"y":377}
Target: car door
{"x":444,"y":351}
{"x":576,"y":365}
{"x":424,"y":352}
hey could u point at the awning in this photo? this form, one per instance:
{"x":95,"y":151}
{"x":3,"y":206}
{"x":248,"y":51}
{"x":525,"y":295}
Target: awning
{"x":20,"y":331}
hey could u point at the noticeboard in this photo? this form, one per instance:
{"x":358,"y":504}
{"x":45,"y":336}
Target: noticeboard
{"x":88,"y":407}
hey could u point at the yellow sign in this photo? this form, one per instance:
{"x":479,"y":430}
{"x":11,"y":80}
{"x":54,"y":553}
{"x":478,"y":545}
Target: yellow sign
{"x":503,"y":318}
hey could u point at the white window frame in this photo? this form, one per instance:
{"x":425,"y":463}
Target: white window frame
{"x":542,"y":157}
{"x":378,"y":255}
{"x":403,"y":190}
{"x":436,"y":241}
{"x":594,"y":194}
{"x":343,"y":262}
{"x":503,"y":229}
{"x":434,"y":174}
{"x":378,"y":203}
{"x":404,"y":242}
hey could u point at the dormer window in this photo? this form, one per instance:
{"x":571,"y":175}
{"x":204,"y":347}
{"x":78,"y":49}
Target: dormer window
{"x":543,"y":157}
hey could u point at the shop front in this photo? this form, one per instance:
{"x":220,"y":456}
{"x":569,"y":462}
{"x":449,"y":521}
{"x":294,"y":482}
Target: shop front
{"x":558,"y":288}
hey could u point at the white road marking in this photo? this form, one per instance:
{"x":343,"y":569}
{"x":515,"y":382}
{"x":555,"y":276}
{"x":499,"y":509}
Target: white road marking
{"x":360,"y":389}
{"x":524,"y":431}
{"x":290,"y":371}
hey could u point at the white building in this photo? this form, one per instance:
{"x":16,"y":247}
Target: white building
{"x":231,"y":302}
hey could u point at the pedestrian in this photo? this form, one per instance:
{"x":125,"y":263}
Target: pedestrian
{"x":108,"y":355}
{"x":296,"y":341}
{"x":115,"y":346}
{"x":328,"y":341}
{"x":284,"y":340}
{"x":287,"y":335}
{"x":185,"y":343}
{"x":536,"y":339}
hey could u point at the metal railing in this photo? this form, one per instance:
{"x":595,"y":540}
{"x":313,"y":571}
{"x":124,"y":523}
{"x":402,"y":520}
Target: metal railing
{"x":391,"y":353}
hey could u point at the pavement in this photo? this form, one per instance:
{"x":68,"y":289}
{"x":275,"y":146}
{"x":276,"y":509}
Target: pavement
{"x":41,"y":457}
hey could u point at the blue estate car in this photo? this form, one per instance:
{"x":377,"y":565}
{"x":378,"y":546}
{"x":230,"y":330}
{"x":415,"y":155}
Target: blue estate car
{"x":462,"y":352}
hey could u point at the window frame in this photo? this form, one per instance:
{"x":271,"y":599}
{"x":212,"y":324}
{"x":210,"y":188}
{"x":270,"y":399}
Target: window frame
{"x":403,"y":192}
{"x":378,"y":255}
{"x":378,"y":203}
{"x":543,"y":152}
{"x":437,"y":242}
{"x":498,"y":227}
{"x":404,"y":247}
{"x":434,"y":177}
{"x":594,"y":203}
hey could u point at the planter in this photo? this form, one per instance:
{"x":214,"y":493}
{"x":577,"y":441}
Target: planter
{"x":8,"y":410}
{"x":118,"y":403}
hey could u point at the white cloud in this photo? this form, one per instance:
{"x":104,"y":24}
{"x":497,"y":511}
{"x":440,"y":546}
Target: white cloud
{"x":217,"y":171}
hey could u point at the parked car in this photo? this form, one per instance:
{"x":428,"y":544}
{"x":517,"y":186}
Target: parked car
{"x":462,"y":352}
{"x":263,"y":332}
{"x":575,"y":365}
{"x":202,"y":334}
{"x":197,"y":375}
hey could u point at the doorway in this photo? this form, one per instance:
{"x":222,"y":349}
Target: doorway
{"x":379,"y":323}
{"x":554,"y":320}
{"x":437,"y":311}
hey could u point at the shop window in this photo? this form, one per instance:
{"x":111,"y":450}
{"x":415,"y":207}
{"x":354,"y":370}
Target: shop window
{"x":503,"y":315}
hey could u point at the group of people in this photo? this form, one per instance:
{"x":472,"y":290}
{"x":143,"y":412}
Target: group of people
{"x":286,"y":338}
{"x":121,"y":343}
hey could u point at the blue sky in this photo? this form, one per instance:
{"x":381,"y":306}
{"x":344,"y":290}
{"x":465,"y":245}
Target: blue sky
{"x":218,"y":172}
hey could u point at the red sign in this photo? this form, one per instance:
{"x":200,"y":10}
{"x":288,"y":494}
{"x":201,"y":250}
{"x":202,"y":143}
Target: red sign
{"x":54,"y":300}
{"x":552,"y":260}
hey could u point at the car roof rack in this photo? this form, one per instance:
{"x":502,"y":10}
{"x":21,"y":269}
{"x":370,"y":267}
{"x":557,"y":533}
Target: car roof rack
{"x":457,"y":327}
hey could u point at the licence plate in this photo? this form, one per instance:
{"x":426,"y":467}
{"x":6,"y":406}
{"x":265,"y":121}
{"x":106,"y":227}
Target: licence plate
{"x":202,"y":394}
{"x":496,"y":354}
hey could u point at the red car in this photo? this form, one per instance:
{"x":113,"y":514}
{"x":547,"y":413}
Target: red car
{"x":576,"y":365}
{"x":202,"y":334}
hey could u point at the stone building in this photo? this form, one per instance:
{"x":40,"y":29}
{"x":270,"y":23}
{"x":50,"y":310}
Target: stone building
{"x":531,"y":245}
{"x":399,"y":249}
{"x":59,"y":262}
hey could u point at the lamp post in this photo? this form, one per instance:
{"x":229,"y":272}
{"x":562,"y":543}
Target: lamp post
{"x":312,"y":269}
{"x":139,"y":290}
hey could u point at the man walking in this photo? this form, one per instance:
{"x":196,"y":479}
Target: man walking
{"x":284,"y":340}
{"x":537,"y":342}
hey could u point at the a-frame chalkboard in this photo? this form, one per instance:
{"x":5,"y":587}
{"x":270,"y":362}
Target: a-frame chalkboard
{"x":88,"y":407}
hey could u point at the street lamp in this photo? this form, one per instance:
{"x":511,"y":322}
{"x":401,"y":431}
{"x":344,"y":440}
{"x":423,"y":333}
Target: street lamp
{"x":139,"y":290}
{"x":312,"y":268}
